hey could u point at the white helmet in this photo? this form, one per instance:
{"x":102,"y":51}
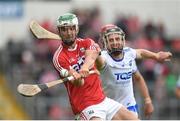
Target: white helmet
{"x":67,"y":19}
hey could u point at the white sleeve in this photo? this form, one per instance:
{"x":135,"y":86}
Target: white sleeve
{"x":133,"y":53}
{"x":103,"y":54}
{"x":134,"y":66}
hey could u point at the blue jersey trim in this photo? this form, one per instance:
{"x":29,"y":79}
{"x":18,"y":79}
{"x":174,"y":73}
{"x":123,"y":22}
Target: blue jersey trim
{"x":118,"y":60}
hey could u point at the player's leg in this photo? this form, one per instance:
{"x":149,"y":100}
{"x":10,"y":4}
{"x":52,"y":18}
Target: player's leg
{"x":117,"y":111}
{"x":124,"y":114}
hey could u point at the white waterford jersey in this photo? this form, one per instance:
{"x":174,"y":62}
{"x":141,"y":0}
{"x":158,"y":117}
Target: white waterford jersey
{"x":117,"y":77}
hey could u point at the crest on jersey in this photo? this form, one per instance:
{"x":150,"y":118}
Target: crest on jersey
{"x":130,"y":63}
{"x":82,"y":49}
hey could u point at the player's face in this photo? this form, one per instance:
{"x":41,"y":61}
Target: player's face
{"x":115,"y":42}
{"x":68,"y":34}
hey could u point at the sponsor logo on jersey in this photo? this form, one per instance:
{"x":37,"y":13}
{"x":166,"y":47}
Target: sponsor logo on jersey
{"x":123,"y":76}
{"x":79,"y":63}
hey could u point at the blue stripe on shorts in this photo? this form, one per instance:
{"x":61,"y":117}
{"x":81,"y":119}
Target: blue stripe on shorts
{"x":133,"y":108}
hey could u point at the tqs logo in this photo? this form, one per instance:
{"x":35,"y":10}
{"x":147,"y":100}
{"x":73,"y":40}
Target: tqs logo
{"x":123,"y":76}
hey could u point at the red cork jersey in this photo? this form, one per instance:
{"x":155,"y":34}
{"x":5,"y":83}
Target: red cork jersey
{"x":91,"y":92}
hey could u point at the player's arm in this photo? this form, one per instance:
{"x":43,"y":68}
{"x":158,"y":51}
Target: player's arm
{"x":91,"y":55}
{"x":100,"y":62}
{"x":159,"y":56}
{"x":78,"y":80}
{"x":140,"y":82}
{"x":61,"y":62}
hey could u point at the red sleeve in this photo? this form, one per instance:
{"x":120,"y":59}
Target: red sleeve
{"x":90,"y":44}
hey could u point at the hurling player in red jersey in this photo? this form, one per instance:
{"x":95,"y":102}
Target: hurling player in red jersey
{"x":85,"y":93}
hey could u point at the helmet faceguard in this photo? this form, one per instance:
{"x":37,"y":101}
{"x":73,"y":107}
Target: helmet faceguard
{"x":67,"y":20}
{"x":112,"y":46}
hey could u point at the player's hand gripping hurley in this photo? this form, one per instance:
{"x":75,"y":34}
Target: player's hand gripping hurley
{"x":30,"y":90}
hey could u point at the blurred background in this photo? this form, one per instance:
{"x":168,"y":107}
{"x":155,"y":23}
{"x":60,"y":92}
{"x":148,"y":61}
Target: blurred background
{"x":149,"y":24}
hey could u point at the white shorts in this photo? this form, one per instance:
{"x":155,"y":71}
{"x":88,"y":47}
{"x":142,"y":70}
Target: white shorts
{"x":104,"y":110}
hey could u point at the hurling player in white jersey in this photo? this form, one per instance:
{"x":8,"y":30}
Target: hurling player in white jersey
{"x":118,"y":69}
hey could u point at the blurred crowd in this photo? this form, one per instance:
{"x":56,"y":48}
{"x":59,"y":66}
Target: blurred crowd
{"x":30,"y":61}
